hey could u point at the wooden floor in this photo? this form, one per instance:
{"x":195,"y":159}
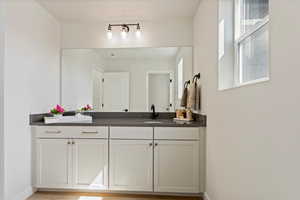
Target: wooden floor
{"x":93,"y":196}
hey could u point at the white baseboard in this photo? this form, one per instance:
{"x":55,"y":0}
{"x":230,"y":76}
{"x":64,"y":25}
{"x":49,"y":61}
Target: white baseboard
{"x":205,"y":196}
{"x":25,"y":194}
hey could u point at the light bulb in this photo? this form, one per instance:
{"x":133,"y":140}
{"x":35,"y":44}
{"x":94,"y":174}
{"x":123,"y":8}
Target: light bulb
{"x":124,"y":33}
{"x":109,"y":34}
{"x":138,"y":32}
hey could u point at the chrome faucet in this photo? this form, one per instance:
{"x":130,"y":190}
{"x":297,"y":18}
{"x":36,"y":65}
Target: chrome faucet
{"x":154,"y":114}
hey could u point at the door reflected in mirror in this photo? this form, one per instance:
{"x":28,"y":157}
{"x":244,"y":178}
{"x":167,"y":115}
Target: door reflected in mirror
{"x":159,"y":90}
{"x":125,"y":80}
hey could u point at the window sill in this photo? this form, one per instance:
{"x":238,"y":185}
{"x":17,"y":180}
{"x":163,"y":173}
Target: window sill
{"x":257,"y":81}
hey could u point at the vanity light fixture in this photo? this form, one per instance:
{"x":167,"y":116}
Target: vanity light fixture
{"x":124,"y":30}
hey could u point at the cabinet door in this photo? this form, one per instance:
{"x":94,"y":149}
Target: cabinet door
{"x":176,"y":166}
{"x":53,"y":163}
{"x":131,"y":165}
{"x":90,"y":164}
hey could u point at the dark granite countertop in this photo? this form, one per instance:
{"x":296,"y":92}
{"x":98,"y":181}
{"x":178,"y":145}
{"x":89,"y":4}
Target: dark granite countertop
{"x":125,"y":119}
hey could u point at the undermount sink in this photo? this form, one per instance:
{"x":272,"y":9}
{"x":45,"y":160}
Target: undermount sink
{"x":152,"y":122}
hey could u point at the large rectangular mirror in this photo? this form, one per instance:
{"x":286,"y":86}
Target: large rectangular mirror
{"x":127,"y":79}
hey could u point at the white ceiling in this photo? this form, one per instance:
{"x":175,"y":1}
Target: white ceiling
{"x":116,"y":10}
{"x":140,"y":53}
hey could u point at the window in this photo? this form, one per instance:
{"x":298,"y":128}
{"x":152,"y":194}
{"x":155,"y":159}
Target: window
{"x":180,"y":78}
{"x":251,"y":42}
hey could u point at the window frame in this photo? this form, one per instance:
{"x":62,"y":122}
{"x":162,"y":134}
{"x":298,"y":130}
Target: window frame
{"x":239,"y":39}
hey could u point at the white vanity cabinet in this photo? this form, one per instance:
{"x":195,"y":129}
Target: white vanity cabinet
{"x":53,"y":163}
{"x":177,"y":159}
{"x":131,"y":165}
{"x":90,"y":164}
{"x":68,"y":159}
{"x":133,"y":159}
{"x":176,"y":166}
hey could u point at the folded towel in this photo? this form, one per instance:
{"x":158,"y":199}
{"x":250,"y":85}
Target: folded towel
{"x":191,"y":102}
{"x":184,"y":97}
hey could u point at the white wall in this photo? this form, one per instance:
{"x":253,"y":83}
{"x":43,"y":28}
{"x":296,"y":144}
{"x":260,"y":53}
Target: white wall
{"x":253,"y":131}
{"x":77,"y":77}
{"x":31,"y":85}
{"x":176,"y":32}
{"x":1,"y":99}
{"x":138,"y":69}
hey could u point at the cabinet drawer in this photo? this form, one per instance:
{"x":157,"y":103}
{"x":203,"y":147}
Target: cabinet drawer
{"x":176,"y":133}
{"x":131,"y":133}
{"x":71,"y":132}
{"x":90,"y":132}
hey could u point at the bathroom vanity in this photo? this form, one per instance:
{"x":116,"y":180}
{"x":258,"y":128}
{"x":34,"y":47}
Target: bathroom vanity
{"x":128,"y":154}
{"x":123,"y":149}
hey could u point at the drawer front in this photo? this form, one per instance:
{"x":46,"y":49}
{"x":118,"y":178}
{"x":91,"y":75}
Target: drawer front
{"x":70,"y":132}
{"x":131,"y":133}
{"x":176,"y":133}
{"x":91,"y":132}
{"x":51,"y":132}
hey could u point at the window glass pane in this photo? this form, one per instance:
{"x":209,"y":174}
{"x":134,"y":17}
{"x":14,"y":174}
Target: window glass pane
{"x":253,"y":12}
{"x":254,"y":59}
{"x":180,"y":78}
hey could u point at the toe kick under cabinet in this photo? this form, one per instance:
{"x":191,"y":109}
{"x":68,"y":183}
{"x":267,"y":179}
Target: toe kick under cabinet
{"x":141,"y":159}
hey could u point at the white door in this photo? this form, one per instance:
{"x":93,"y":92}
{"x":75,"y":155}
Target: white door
{"x":131,"y":165}
{"x":116,"y":92}
{"x":159,"y":91}
{"x":176,"y":166}
{"x":54,"y":163}
{"x":90,"y":163}
{"x":97,"y":90}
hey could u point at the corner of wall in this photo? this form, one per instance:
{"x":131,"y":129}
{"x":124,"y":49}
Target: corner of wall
{"x":2,"y":47}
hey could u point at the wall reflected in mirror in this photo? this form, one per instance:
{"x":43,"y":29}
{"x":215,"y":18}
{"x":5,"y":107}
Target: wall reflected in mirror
{"x":125,"y":80}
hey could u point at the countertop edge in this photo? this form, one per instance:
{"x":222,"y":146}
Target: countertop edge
{"x":125,"y":120}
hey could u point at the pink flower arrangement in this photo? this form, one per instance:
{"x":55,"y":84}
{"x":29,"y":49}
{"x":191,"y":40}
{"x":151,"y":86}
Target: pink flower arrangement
{"x":58,"y":110}
{"x":87,"y":108}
